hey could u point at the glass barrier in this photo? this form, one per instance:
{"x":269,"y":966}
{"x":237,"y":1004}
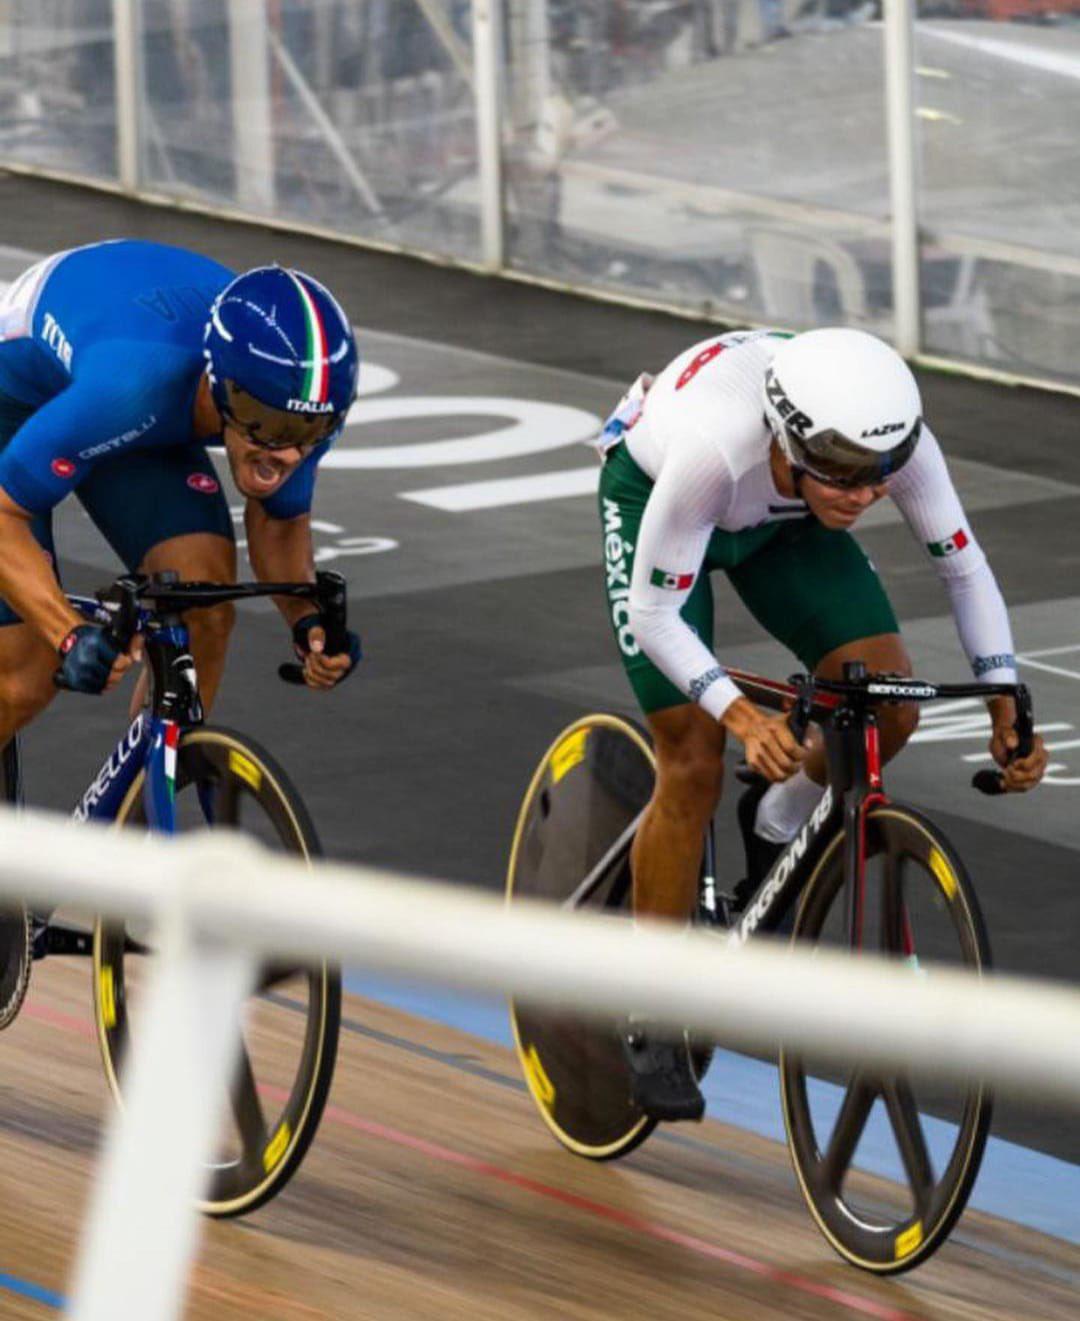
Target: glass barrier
{"x":996,"y":106}
{"x":354,"y":115}
{"x":57,"y":92}
{"x":727,"y":156}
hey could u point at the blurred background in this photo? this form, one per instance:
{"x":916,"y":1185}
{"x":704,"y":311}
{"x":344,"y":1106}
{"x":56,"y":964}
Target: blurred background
{"x":728,"y":158}
{"x":731,"y":160}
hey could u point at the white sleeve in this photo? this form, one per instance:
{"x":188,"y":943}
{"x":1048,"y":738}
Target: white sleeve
{"x":679,"y":518}
{"x":925,"y":495}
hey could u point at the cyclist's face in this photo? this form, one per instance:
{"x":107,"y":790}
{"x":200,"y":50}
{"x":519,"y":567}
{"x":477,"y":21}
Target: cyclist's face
{"x":838,"y":506}
{"x":257,"y":471}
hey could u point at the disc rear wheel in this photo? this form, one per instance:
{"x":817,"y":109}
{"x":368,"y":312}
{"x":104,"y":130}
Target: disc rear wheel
{"x":590,"y":787}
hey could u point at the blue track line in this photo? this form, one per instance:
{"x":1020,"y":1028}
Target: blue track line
{"x":35,"y":1291}
{"x":1018,"y":1184}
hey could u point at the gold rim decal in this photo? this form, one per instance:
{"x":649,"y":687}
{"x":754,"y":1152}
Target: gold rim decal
{"x":276,"y":1148}
{"x":945,"y":874}
{"x":543,"y":1088}
{"x":245,"y":768}
{"x":567,"y":755}
{"x":107,"y":993}
{"x":909,"y":1240}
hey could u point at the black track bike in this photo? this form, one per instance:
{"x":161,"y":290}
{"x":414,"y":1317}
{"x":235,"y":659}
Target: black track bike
{"x":863,"y":873}
{"x":169,"y":773}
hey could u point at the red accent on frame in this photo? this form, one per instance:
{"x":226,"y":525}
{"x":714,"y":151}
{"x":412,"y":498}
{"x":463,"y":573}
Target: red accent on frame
{"x":172,"y":734}
{"x":907,"y":934}
{"x":873,"y":756}
{"x":827,"y":701}
{"x":871,"y":800}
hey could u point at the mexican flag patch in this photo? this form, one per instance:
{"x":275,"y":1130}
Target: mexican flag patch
{"x":950,"y":545}
{"x":671,"y":582}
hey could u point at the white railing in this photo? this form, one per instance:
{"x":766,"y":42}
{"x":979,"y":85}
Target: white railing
{"x":219,"y":901}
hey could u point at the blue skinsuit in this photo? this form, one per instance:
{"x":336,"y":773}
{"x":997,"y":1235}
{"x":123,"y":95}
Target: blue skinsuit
{"x":101,"y":352}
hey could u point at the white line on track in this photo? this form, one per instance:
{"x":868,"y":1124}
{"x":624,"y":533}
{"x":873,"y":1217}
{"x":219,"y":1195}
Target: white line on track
{"x":1068,"y":66}
{"x":509,"y":490}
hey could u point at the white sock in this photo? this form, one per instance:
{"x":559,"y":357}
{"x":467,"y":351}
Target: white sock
{"x":786,"y":806}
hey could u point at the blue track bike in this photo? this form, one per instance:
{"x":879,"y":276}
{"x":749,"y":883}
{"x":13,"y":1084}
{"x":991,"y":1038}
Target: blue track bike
{"x":170,"y":772}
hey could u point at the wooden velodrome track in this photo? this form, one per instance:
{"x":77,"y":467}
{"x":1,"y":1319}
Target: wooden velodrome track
{"x":433,"y":1191}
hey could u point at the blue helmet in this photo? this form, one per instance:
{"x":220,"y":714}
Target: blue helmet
{"x":281,"y":357}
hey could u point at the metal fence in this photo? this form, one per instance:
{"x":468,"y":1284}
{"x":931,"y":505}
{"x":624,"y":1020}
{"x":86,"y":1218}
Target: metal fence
{"x":792,"y":162}
{"x":218,"y":901}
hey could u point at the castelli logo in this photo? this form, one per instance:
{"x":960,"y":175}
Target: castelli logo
{"x":62,"y":468}
{"x":199,"y":481}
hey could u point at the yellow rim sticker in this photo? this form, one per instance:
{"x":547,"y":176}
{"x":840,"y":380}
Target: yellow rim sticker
{"x":909,"y":1240}
{"x":108,"y":997}
{"x":567,"y":755}
{"x":246,"y":769}
{"x":542,"y":1086}
{"x":276,"y":1148}
{"x":944,"y":873}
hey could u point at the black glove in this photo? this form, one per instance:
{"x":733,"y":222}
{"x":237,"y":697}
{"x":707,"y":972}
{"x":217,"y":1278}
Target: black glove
{"x":300,"y":634}
{"x":86,"y":659}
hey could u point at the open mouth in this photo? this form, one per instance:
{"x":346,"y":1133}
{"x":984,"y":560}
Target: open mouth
{"x":265,"y":474}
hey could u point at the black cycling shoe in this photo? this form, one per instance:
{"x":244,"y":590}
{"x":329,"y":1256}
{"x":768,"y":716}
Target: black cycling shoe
{"x":662,"y":1082}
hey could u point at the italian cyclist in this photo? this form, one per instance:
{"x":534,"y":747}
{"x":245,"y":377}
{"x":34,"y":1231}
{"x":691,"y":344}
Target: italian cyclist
{"x":120,"y":363}
{"x":756,"y":452}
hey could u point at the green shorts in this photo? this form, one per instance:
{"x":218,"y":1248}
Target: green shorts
{"x":812,"y":589}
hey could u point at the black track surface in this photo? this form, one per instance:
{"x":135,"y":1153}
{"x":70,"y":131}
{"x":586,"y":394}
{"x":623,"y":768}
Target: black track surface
{"x":420,"y":761}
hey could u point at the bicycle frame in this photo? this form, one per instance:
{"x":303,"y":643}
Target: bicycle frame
{"x":152,"y":738}
{"x":854,"y":783}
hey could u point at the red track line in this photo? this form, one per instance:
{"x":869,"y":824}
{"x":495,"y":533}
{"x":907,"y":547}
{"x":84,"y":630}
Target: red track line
{"x":653,"y":1229}
{"x":650,"y":1228}
{"x":80,"y":1026}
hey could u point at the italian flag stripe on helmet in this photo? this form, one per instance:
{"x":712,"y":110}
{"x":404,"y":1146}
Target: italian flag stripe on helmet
{"x":316,"y":383}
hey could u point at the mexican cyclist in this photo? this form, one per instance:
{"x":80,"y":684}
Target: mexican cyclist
{"x":120,"y":363}
{"x":756,"y":452}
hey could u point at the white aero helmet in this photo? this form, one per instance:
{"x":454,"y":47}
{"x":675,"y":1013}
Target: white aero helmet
{"x":843,"y":406}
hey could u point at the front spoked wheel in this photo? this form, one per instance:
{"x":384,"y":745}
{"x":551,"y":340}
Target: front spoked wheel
{"x":289,"y":1026}
{"x":589,"y":788}
{"x":887,"y":1161}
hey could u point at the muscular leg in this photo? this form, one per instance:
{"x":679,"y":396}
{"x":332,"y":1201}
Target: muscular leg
{"x":785,"y":806}
{"x":667,"y":850}
{"x":27,"y":663}
{"x":885,"y":653}
{"x":201,"y":557}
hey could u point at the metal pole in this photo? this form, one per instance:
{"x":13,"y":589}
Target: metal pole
{"x":488,"y":144}
{"x":899,"y":55}
{"x":127,"y":64}
{"x":333,"y":139}
{"x":142,"y":1230}
{"x":252,"y":105}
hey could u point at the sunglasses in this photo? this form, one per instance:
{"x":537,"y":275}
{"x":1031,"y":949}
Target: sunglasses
{"x":834,"y":460}
{"x":273,"y":428}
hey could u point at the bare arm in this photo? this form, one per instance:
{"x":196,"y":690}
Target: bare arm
{"x":27,"y":580}
{"x":280,"y":550}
